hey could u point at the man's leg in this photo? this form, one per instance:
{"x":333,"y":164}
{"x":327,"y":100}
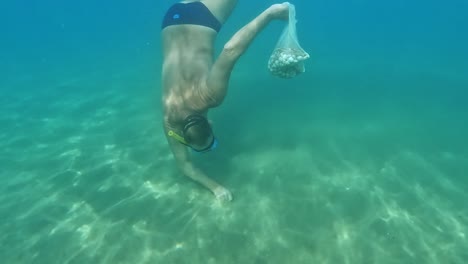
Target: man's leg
{"x":218,"y":79}
{"x":221,"y":9}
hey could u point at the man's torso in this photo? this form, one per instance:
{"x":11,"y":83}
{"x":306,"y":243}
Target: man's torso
{"x":188,"y":56}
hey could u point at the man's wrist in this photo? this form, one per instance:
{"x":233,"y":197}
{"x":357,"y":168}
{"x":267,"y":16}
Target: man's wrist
{"x":269,"y":14}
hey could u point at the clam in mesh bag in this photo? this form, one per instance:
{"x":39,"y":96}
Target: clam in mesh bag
{"x":287,"y":59}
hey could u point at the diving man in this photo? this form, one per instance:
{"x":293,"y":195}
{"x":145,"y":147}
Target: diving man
{"x":194,"y":82}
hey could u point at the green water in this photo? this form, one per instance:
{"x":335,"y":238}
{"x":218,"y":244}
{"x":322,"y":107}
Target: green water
{"x":362,"y":159}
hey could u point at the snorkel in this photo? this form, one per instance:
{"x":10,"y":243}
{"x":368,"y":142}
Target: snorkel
{"x":177,"y":137}
{"x":190,"y":121}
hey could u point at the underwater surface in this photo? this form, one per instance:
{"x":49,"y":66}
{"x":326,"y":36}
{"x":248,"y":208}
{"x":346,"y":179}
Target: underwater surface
{"x":361,"y":159}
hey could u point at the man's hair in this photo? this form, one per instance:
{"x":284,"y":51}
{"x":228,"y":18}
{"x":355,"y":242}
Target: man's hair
{"x":197,"y":130}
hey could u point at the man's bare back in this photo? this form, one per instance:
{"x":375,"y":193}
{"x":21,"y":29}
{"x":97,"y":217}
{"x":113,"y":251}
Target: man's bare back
{"x":193,"y":81}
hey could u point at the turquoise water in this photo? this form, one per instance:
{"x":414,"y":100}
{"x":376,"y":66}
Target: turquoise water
{"x":362,"y":159}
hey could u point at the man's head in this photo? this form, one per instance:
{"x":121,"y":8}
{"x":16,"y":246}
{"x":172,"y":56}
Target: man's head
{"x":198,"y":134}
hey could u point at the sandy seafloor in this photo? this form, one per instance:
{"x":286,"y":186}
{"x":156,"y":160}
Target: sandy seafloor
{"x":363,"y":159}
{"x":87,"y":177}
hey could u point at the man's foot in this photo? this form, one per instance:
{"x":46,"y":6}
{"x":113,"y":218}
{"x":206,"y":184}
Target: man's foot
{"x":222,"y":194}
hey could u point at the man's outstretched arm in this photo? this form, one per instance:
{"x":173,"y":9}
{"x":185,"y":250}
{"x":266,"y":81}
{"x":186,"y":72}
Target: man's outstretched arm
{"x":186,"y":166}
{"x":218,"y":79}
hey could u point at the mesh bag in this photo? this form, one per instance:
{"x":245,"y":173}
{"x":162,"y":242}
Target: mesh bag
{"x":287,"y":59}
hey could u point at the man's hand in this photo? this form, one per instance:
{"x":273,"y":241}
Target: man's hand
{"x":222,"y":194}
{"x":279,"y":11}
